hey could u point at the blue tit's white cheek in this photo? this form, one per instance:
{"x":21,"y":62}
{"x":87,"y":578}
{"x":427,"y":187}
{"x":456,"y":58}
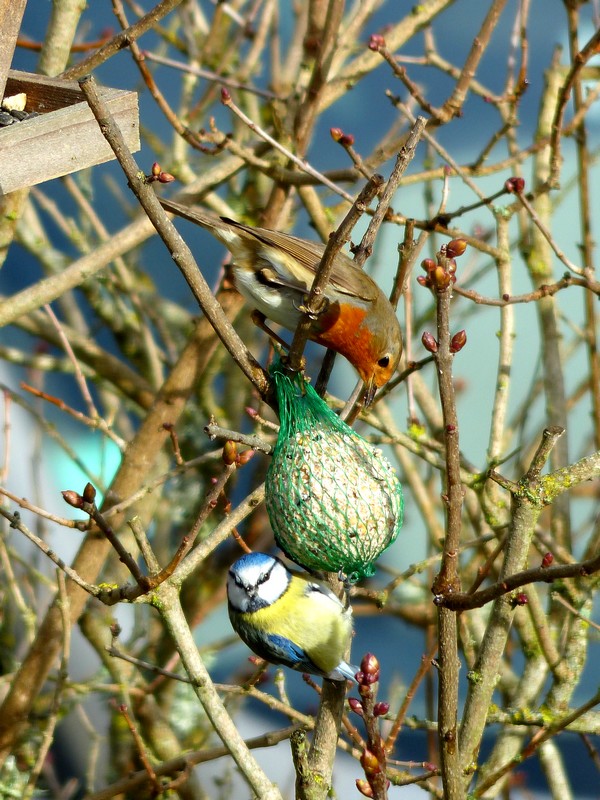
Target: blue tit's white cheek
{"x":237,"y":595}
{"x":271,"y":590}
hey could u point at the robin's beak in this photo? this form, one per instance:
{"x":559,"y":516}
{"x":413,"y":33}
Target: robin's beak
{"x":370,"y":389}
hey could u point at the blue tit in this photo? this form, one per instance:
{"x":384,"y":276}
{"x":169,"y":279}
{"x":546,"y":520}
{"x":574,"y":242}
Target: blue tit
{"x":288,"y":618}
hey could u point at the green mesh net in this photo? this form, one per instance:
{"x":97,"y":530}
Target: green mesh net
{"x":334,"y":502}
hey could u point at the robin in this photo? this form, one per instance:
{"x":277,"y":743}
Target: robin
{"x":274,"y":272}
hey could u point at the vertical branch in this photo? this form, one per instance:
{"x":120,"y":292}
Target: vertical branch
{"x":498,"y":438}
{"x":307,"y":112}
{"x":585,"y":219}
{"x":505,"y":356}
{"x":539,"y":261}
{"x":324,"y":744}
{"x":327,"y":725}
{"x":448,"y":579}
{"x":483,"y":676}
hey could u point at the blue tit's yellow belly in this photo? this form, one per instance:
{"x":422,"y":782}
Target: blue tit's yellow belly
{"x":311,"y":620}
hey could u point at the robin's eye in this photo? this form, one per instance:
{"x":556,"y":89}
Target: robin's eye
{"x":384,"y":362}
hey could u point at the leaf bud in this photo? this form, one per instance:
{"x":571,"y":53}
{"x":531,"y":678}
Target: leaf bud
{"x":515,"y":185}
{"x":336,"y":134}
{"x":356,"y":706}
{"x":369,"y":666}
{"x":370,"y":763}
{"x":229,"y":452}
{"x":364,"y":788}
{"x":429,"y":343}
{"x":115,"y":630}
{"x":376,"y":42}
{"x":72,"y":498}
{"x":89,"y":493}
{"x":456,"y":247}
{"x":381,"y":708}
{"x":519,"y":599}
{"x":439,"y":278}
{"x":458,"y":341}
{"x":245,"y":457}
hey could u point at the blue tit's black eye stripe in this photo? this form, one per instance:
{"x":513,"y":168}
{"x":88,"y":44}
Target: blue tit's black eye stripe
{"x":266,"y":575}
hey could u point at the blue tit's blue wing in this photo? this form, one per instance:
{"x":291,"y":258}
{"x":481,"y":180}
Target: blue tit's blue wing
{"x":274,"y":647}
{"x":284,"y":651}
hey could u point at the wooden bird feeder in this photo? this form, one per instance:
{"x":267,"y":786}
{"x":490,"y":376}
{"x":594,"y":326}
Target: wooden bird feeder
{"x":65,"y":137}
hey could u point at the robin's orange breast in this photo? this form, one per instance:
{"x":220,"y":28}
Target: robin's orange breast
{"x":342,"y":328}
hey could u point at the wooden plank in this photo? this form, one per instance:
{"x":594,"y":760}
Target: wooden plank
{"x":63,"y":140}
{"x":11,"y":16}
{"x":43,"y":93}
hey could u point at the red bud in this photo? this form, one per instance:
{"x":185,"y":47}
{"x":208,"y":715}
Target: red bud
{"x":520,"y":599}
{"x":376,"y":42}
{"x":429,"y":342}
{"x":244,"y":457}
{"x":381,"y":708}
{"x":225,"y":95}
{"x":547,"y":560}
{"x":166,"y":177}
{"x":73,"y":498}
{"x":456,"y":248}
{"x":369,"y":663}
{"x":115,"y":630}
{"x":356,"y":706}
{"x":428,"y":264}
{"x":369,"y":666}
{"x":89,"y":493}
{"x":347,"y":140}
{"x":458,"y":341}
{"x":515,"y":185}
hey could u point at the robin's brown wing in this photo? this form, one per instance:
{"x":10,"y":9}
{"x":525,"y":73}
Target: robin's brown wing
{"x":346,"y":277}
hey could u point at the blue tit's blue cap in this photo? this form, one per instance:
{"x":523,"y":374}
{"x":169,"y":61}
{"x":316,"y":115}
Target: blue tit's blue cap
{"x":260,"y":560}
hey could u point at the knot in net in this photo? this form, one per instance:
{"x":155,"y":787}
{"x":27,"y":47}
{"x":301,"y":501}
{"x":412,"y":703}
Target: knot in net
{"x":334,"y":502}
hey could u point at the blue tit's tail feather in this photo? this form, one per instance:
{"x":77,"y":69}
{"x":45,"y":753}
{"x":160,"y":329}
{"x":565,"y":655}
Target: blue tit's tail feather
{"x":343,"y":672}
